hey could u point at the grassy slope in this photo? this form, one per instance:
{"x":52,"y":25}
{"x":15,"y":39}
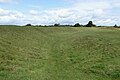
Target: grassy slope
{"x":29,"y":53}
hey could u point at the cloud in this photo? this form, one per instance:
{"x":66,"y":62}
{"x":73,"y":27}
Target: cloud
{"x":81,"y":11}
{"x":10,"y":17}
{"x":5,"y":1}
{"x":8,"y":1}
{"x":62,"y":16}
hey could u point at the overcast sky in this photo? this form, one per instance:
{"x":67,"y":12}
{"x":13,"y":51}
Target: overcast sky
{"x":21,"y":12}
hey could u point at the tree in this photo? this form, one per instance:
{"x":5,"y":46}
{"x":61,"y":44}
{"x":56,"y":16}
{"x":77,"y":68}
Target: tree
{"x":77,"y":25}
{"x":90,"y":24}
{"x":115,"y":26}
{"x":28,"y":25}
{"x":56,"y":24}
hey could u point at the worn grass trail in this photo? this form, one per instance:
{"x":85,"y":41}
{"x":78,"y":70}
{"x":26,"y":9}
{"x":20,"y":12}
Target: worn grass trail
{"x":33,"y":53}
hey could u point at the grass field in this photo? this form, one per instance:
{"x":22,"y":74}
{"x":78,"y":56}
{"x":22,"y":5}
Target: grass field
{"x":49,"y":53}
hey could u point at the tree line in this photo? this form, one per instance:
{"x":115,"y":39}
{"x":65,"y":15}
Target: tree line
{"x":90,"y":24}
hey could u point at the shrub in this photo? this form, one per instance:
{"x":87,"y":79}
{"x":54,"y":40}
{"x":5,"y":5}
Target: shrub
{"x":28,"y":25}
{"x":90,"y":24}
{"x":77,"y":25}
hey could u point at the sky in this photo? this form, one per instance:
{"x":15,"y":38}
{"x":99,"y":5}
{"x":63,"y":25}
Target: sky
{"x":48,"y":12}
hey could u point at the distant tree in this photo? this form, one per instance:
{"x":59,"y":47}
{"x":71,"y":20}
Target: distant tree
{"x":56,"y":24}
{"x":28,"y":25}
{"x":99,"y":26}
{"x":115,"y":26}
{"x":90,"y":24}
{"x":77,"y":25}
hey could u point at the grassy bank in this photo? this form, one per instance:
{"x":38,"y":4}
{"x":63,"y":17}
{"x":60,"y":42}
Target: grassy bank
{"x":49,"y":53}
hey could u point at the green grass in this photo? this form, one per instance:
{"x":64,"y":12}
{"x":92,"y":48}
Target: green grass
{"x":49,"y":53}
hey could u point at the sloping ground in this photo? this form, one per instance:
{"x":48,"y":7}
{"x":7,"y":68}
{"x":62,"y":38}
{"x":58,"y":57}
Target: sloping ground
{"x":33,"y":53}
